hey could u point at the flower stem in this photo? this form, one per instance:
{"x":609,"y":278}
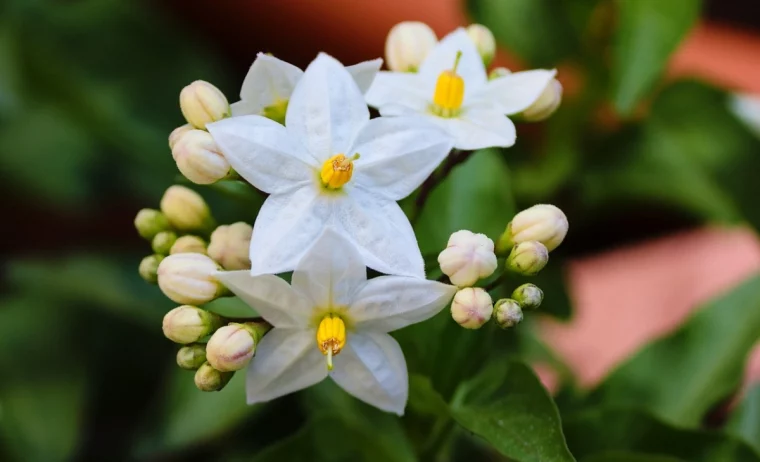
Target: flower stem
{"x":455,"y":158}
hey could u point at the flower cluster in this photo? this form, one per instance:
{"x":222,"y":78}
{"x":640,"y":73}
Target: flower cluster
{"x":333,"y":177}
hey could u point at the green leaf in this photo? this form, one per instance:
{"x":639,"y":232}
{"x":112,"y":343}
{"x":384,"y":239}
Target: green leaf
{"x":190,"y":416}
{"x":606,"y":430}
{"x":475,"y":196}
{"x":745,"y":419}
{"x":515,"y":22}
{"x":648,"y":33}
{"x":507,"y":406}
{"x":424,"y":399}
{"x":684,"y":374}
{"x":615,"y":456}
{"x":41,"y":419}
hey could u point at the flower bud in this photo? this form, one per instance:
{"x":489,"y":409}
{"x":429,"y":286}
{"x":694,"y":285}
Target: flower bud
{"x":163,"y":242}
{"x":189,"y":244}
{"x":544,"y":223}
{"x":498,"y":72}
{"x":467,"y":258}
{"x":230,"y":246}
{"x":150,"y":222}
{"x":472,"y":307}
{"x":185,"y":209}
{"x":507,"y":313}
{"x":546,"y":104}
{"x":484,"y":42}
{"x":149,"y":268}
{"x":199,"y":158}
{"x":407,"y":45}
{"x":188,"y":324}
{"x":177,"y":133}
{"x":526,"y":258}
{"x":188,"y":278}
{"x":203,"y":103}
{"x":232,"y":346}
{"x":529,"y":296}
{"x":209,"y":379}
{"x":191,"y":357}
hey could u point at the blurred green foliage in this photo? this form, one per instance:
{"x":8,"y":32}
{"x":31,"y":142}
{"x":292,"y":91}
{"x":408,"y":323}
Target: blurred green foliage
{"x":88,"y":95}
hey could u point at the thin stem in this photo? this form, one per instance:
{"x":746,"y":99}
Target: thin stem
{"x":455,"y":158}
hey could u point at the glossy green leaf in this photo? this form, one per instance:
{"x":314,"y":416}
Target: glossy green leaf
{"x":606,"y":430}
{"x":616,"y":456}
{"x":475,"y":196}
{"x":514,"y":23}
{"x":684,"y":374}
{"x":745,"y":419}
{"x":508,"y":407}
{"x":648,"y":32}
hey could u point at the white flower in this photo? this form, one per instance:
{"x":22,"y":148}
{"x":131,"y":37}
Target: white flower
{"x":271,"y":81}
{"x":332,"y":315}
{"x":467,"y":258}
{"x":455,"y":93}
{"x":312,"y":171}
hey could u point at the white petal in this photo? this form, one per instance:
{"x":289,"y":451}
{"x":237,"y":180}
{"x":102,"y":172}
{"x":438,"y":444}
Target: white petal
{"x":513,"y":93}
{"x":381,"y":231}
{"x":399,"y":88}
{"x":285,"y":228}
{"x":388,"y":303}
{"x":372,"y":368}
{"x":262,"y":152}
{"x":477,"y":129}
{"x":364,"y":73}
{"x":327,"y":109}
{"x":286,"y":360}
{"x":273,"y":298}
{"x":442,"y":58}
{"x":398,"y":153}
{"x":331,"y":271}
{"x":268,"y":80}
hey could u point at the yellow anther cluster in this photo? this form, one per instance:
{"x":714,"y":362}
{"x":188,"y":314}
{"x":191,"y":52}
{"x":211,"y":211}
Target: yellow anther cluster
{"x":331,"y":337}
{"x":337,"y":171}
{"x":449,"y":91}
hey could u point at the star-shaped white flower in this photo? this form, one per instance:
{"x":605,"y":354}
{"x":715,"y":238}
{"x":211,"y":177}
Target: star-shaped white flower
{"x":452,"y":89}
{"x":334,"y":322}
{"x":331,"y":165}
{"x":270,"y":81}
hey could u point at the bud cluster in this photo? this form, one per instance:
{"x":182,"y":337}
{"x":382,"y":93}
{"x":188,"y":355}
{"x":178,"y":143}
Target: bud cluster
{"x":530,"y":236}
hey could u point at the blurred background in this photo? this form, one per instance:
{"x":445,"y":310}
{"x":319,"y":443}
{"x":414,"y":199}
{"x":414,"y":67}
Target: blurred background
{"x":657,"y":173}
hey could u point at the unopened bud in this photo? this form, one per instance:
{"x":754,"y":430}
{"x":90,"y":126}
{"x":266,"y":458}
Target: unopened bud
{"x":191,"y":357}
{"x":529,"y":296}
{"x":177,"y":133}
{"x":507,"y":313}
{"x":407,"y":45}
{"x":188,"y":324}
{"x":209,"y":379}
{"x":484,"y":42}
{"x":163,"y":242}
{"x":149,"y":268}
{"x":230,"y":246}
{"x":498,"y":72}
{"x":467,"y":258}
{"x":232,"y":346}
{"x":472,"y":307}
{"x":188,"y":278}
{"x":199,"y":158}
{"x":527,"y":258}
{"x":544,"y":223}
{"x":546,"y":104}
{"x":150,"y":222}
{"x":203,"y":103}
{"x":185,"y":209}
{"x":189,"y":244}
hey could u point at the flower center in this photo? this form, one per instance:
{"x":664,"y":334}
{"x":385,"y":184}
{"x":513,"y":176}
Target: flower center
{"x":449,"y":91}
{"x":331,"y":337}
{"x":337,"y":171}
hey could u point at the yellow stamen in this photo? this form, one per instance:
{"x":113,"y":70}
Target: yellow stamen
{"x":337,"y":171}
{"x":449,"y":91}
{"x":331,"y":337}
